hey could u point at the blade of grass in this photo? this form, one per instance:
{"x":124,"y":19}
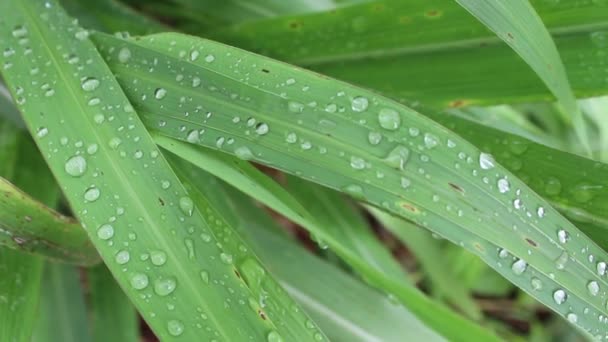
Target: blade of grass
{"x":517,"y":23}
{"x":429,"y":254}
{"x":98,"y":151}
{"x":454,"y":58}
{"x":368,"y":146}
{"x":113,"y":317}
{"x":62,"y":315}
{"x":345,"y":308}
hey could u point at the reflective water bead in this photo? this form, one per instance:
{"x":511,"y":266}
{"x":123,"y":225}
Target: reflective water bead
{"x":519,"y":267}
{"x":563,"y":236}
{"x":359,"y":104}
{"x":186,"y":205}
{"x":175,"y":327}
{"x":105,"y":232}
{"x":389,"y":119}
{"x":486,"y":161}
{"x":139,"y":281}
{"x":274,"y":336}
{"x":124,"y":54}
{"x":601,"y":268}
{"x":76,"y":166}
{"x":357,"y":163}
{"x":90,"y":84}
{"x":430,"y":141}
{"x":160,"y":93}
{"x":593,"y":287}
{"x":572,"y":317}
{"x":164,"y":287}
{"x":503,"y":185}
{"x":158,"y":258}
{"x":374,"y":138}
{"x":92,"y":194}
{"x":560,"y":296}
{"x":537,"y":284}
{"x":122,"y":257}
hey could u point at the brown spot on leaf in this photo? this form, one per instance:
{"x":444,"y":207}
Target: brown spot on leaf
{"x":456,"y":187}
{"x":531,"y":242}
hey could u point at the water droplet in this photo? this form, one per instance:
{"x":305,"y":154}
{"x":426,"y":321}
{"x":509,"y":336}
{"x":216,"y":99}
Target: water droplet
{"x":430,"y":141}
{"x":274,"y":336}
{"x":205,"y":277}
{"x":397,"y":157}
{"x":582,"y":193}
{"x":374,"y":138}
{"x":295,"y":107}
{"x":196,"y":81}
{"x":209,"y":58}
{"x":537,"y":284}
{"x":360,"y":104}
{"x":194,"y":55}
{"x":389,"y":119}
{"x":19,"y":31}
{"x":563,"y":236}
{"x":139,"y":281}
{"x":90,"y":84}
{"x":503,"y":253}
{"x":81,"y":34}
{"x":553,"y":186}
{"x":186,"y":205}
{"x":486,"y":161}
{"x":357,"y":163}
{"x":105,"y":232}
{"x":540,"y":212}
{"x":160,"y":93}
{"x":405,"y":182}
{"x":42,"y":132}
{"x":122,"y":257}
{"x":92,"y":194}
{"x":561,"y":261}
{"x":593,"y":287}
{"x":158,"y":258}
{"x":226,"y":258}
{"x":164,"y":287}
{"x":124,"y":55}
{"x":261,"y":128}
{"x":572,"y":317}
{"x":519,"y":266}
{"x":601,"y":268}
{"x":503,"y":185}
{"x":76,"y":166}
{"x":243,"y":152}
{"x":560,"y":296}
{"x":193,"y":137}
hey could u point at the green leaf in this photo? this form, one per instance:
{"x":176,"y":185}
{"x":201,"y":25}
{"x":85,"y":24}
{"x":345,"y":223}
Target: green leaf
{"x":30,"y":226}
{"x":99,"y":151}
{"x":62,"y":315}
{"x":254,"y":183}
{"x":431,"y":50}
{"x":341,"y":304}
{"x":517,"y":23}
{"x":577,"y":192}
{"x":366,"y":145}
{"x":113,"y":318}
{"x":433,"y":261}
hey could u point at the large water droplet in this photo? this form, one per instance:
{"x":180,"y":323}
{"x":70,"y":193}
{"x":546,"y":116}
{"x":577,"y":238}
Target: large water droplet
{"x":563,"y":236}
{"x":76,"y":166}
{"x":105,"y":232}
{"x":397,"y":157}
{"x":42,"y":132}
{"x":124,"y":54}
{"x":160,"y":93}
{"x":389,"y":119}
{"x":295,"y":107}
{"x":90,"y":84}
{"x":374,"y":138}
{"x":503,"y":185}
{"x":519,"y":266}
{"x":122,"y":257}
{"x":593,"y":287}
{"x":139,"y":281}
{"x":261,"y":128}
{"x":601,"y":268}
{"x":243,"y":152}
{"x":560,"y":296}
{"x":164,"y":287}
{"x":158,"y":258}
{"x":92,"y":194}
{"x":193,"y":136}
{"x":357,"y":163}
{"x":186,"y":205}
{"x":486,"y":161}
{"x":274,"y":336}
{"x":572,"y":317}
{"x":430,"y":141}
{"x":175,"y":327}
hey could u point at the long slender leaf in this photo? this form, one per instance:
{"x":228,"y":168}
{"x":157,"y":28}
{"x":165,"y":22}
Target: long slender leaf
{"x":345,"y":308}
{"x":256,"y":184}
{"x":98,"y":150}
{"x":517,"y":23}
{"x":114,"y":319}
{"x":62,"y":315}
{"x":431,"y":50}
{"x":368,"y":146}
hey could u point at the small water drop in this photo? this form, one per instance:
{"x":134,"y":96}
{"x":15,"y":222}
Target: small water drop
{"x":601,"y":268}
{"x":194,"y":55}
{"x":160,"y":93}
{"x":519,"y":267}
{"x":274,"y":336}
{"x":357,"y":163}
{"x":503,"y":185}
{"x":261,"y":128}
{"x":537,"y":284}
{"x":563,"y":236}
{"x":360,"y":104}
{"x":295,"y":107}
{"x":243,"y":152}
{"x":374,"y":138}
{"x":397,"y":157}
{"x":158,"y":258}
{"x":209,"y":58}
{"x":226,"y":258}
{"x":572,"y":317}
{"x":430,"y":141}
{"x":122,"y":257}
{"x":124,"y":54}
{"x":193,"y":137}
{"x":561,"y":261}
{"x":90,"y":84}
{"x":593,"y":287}
{"x":42,"y":132}
{"x":92,"y":194}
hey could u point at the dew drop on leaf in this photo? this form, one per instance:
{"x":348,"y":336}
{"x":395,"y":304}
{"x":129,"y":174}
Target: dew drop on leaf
{"x":389,"y":119}
{"x":519,"y":267}
{"x":76,"y":166}
{"x":593,"y":287}
{"x":124,"y":54}
{"x":186,"y":205}
{"x":160,"y":93}
{"x":92,"y":194}
{"x":359,"y":104}
{"x":158,"y":258}
{"x":122,"y":257}
{"x":175,"y":327}
{"x":90,"y":84}
{"x":139,"y":281}
{"x":559,"y":296}
{"x":105,"y":232}
{"x":164,"y":287}
{"x":486,"y":161}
